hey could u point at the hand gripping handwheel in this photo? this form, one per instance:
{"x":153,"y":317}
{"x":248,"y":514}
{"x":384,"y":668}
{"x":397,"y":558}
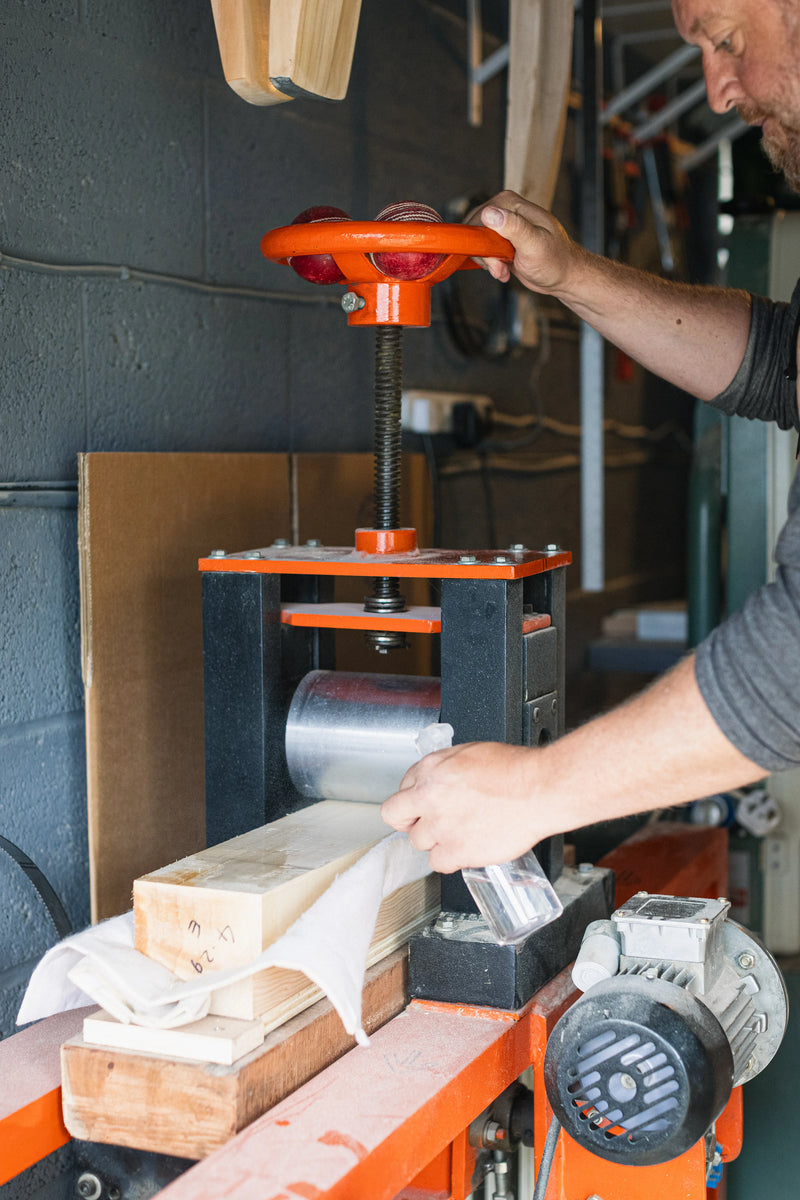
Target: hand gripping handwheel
{"x":374,"y":298}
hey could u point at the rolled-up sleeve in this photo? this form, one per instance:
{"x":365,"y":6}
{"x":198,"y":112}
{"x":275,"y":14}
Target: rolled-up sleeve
{"x":764,"y":387}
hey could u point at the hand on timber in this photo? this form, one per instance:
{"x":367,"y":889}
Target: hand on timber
{"x":544,"y":251}
{"x":468,"y":806}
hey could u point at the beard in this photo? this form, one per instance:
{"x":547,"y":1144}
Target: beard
{"x":783,"y":153}
{"x":780,"y":143}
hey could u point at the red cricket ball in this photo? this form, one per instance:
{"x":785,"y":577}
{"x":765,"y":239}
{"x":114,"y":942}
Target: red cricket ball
{"x":407,"y":264}
{"x":318,"y":268}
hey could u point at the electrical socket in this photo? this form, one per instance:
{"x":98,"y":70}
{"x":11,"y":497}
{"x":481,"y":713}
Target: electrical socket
{"x":425,"y":411}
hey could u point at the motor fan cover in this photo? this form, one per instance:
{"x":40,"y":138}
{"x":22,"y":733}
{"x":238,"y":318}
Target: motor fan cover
{"x":637,"y":1070}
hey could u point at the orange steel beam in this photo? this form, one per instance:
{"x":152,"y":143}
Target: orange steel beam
{"x":424,"y":564}
{"x":30,"y":1092}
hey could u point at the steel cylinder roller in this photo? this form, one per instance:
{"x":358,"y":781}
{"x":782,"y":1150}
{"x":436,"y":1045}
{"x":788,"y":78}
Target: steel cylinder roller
{"x":351,"y":736}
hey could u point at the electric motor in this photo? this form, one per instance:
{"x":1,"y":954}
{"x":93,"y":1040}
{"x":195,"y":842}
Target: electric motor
{"x":681,"y":1004}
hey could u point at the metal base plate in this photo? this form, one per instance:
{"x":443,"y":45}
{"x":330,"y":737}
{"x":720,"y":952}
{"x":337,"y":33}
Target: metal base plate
{"x":456,"y":959}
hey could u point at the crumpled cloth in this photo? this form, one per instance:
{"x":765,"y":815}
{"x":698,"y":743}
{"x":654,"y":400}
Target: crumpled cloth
{"x":329,"y":943}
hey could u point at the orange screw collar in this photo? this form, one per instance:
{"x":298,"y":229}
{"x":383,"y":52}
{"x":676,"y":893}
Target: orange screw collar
{"x":387,"y":301}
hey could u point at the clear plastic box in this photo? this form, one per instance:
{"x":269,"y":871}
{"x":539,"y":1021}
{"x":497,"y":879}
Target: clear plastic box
{"x":514,"y":897}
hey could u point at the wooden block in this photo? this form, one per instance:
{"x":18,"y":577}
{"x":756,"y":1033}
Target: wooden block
{"x":275,"y":995}
{"x":311,"y":45}
{"x":243,"y":35}
{"x":212,"y":1039}
{"x":220,"y":908}
{"x":152,"y":1102}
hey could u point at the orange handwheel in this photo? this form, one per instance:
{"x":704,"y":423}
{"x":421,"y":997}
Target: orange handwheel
{"x":374,"y":298}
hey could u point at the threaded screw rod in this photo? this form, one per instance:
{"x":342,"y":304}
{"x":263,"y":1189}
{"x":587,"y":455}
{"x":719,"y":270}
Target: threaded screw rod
{"x":386,"y":597}
{"x":388,"y":387}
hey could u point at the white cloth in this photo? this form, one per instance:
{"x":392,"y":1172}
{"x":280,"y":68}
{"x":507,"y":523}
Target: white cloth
{"x":328,"y":943}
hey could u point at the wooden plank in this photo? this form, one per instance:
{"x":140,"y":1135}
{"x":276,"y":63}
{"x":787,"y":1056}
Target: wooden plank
{"x":311,"y":44}
{"x":152,"y":1102}
{"x":211,"y":1039}
{"x":540,"y":61}
{"x":144,"y":520}
{"x":243,"y":35}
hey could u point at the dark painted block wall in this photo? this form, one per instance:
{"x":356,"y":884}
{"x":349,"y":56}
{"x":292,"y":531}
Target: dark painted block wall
{"x":122,"y":145}
{"x":122,"y":148}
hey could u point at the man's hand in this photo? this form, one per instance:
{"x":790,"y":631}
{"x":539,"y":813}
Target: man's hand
{"x":469,"y":806}
{"x":544,"y":251}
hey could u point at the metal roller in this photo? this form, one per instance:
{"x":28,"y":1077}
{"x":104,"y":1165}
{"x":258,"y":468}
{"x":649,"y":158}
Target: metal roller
{"x":350,"y":736}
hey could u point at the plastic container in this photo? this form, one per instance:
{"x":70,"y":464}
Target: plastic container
{"x":516,"y":898}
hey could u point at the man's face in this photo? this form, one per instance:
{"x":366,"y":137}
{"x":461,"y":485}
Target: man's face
{"x":751,"y":60}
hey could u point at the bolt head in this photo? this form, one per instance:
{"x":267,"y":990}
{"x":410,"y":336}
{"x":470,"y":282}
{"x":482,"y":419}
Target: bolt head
{"x":217,"y":554}
{"x":89,"y":1186}
{"x":585,"y":868}
{"x":351,"y":302}
{"x":746,"y":960}
{"x":468,"y":558}
{"x":313,"y":542}
{"x":552,"y":548}
{"x":252,"y":554}
{"x":281,"y":543}
{"x":501,"y":558}
{"x":517,"y":547}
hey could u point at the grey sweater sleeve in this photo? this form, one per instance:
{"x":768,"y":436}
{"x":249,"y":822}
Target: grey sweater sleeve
{"x":764,"y":387}
{"x":748,"y":669}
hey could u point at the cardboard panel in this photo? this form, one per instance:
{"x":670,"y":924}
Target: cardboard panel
{"x":144,"y":520}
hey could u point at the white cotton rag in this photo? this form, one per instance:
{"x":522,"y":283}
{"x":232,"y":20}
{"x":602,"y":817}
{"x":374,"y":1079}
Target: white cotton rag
{"x":328,"y":943}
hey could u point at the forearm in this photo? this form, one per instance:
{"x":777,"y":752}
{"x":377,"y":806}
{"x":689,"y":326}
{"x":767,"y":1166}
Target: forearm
{"x":694,"y":337}
{"x":484,"y":803}
{"x":660,"y":749}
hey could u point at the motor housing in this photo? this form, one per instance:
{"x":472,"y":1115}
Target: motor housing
{"x":681,"y":1004}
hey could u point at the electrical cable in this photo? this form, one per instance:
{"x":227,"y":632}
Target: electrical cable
{"x":43,"y":887}
{"x":634,"y":432}
{"x":543,"y":466}
{"x":546,"y":1161}
{"x":135,"y":274}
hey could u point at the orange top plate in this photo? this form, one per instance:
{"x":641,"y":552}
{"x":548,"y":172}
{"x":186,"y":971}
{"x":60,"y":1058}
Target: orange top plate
{"x":423,"y":564}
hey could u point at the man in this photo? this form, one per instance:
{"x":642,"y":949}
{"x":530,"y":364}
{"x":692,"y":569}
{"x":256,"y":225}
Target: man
{"x":729,"y":714}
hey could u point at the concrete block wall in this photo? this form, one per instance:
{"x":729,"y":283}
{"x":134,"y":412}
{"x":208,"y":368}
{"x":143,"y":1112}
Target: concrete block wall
{"x":122,"y":145}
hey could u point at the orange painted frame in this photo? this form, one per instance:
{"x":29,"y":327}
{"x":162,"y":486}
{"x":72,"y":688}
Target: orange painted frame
{"x":424,"y":564}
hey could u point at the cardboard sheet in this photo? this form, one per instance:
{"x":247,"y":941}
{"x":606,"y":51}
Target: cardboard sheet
{"x":144,"y":520}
